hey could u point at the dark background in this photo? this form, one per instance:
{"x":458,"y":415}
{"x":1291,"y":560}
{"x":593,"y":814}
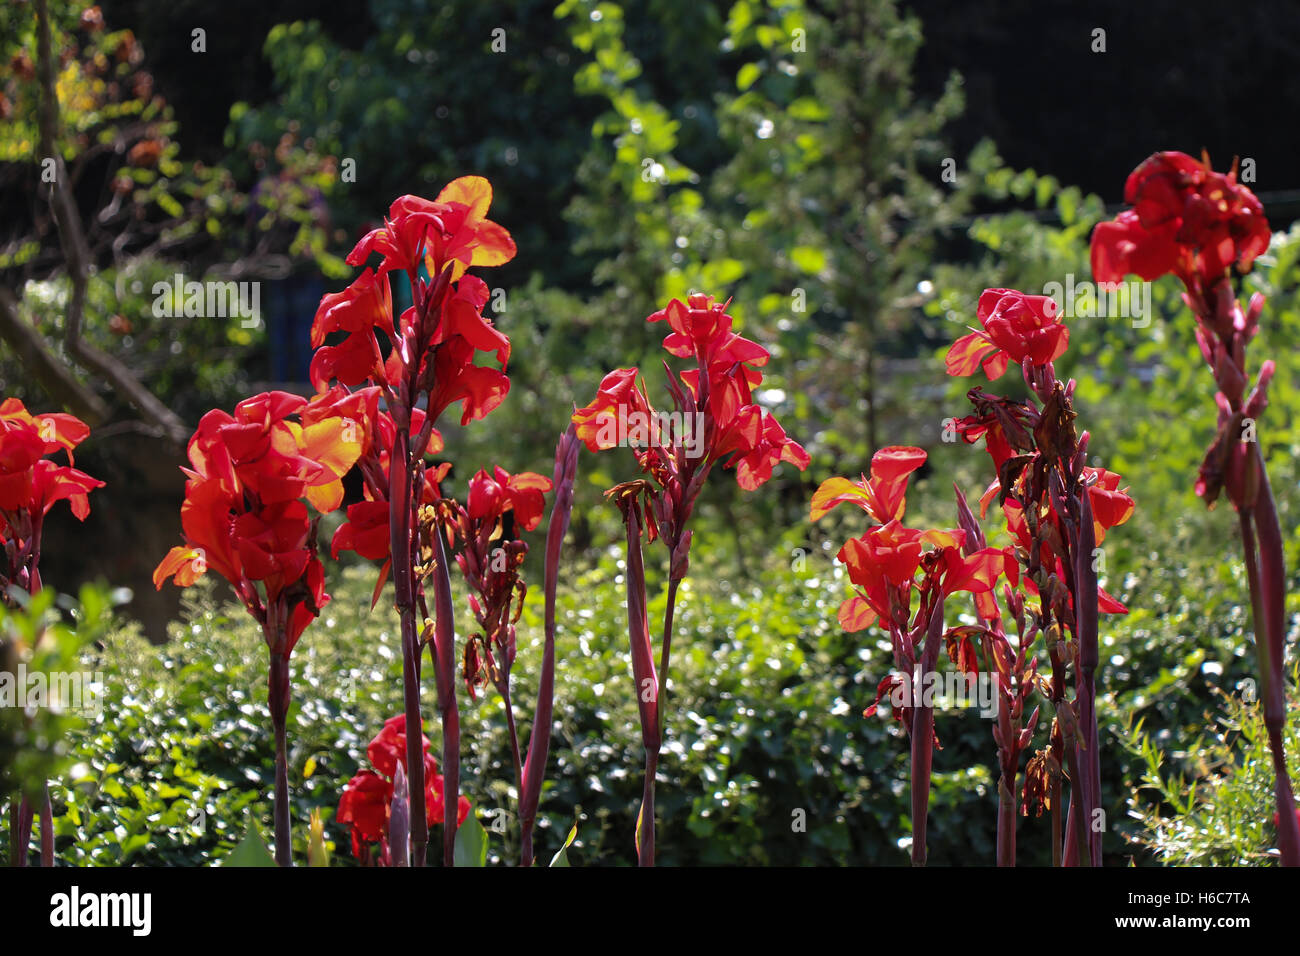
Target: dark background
{"x":1191,"y":76}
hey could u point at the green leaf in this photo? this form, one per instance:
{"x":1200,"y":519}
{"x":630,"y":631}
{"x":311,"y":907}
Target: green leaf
{"x":561,"y":858}
{"x":747,"y":76}
{"x":808,"y":109}
{"x":808,"y":259}
{"x":471,"y":842}
{"x":252,"y":851}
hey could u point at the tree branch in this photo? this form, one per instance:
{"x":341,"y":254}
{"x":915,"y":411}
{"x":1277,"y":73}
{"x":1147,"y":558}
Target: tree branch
{"x":73,"y":241}
{"x":50,"y":372}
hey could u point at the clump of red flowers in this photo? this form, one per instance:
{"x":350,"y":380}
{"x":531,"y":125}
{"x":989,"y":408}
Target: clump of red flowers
{"x":1186,"y":219}
{"x":1057,"y":509}
{"x":1203,"y":226}
{"x":715,"y":421}
{"x":490,"y":559}
{"x":31,"y":483}
{"x":1019,"y":328}
{"x":367,"y":802}
{"x":252,"y":475}
{"x":430,"y":366}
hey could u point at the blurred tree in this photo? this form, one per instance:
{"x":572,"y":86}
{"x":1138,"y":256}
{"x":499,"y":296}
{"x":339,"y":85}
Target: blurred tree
{"x":436,"y":91}
{"x":93,"y":192}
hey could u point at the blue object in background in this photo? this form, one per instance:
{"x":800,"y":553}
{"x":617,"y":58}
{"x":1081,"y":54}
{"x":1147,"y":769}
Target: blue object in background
{"x":290,"y":307}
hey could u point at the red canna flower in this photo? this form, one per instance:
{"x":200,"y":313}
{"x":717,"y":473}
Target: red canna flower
{"x":1111,"y":505}
{"x":1017,"y":328}
{"x":245,"y":516}
{"x":368,"y":797}
{"x":716,"y":421}
{"x":358,"y":310}
{"x":883,"y":495}
{"x":1186,"y":219}
{"x":741,"y":434}
{"x":702,"y":329}
{"x":757,"y":444}
{"x":430,"y":366}
{"x":451,"y":229}
{"x":365,"y":531}
{"x":31,"y":484}
{"x":492,"y":496}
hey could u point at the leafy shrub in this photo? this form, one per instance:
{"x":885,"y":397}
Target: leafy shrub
{"x":1216,"y":806}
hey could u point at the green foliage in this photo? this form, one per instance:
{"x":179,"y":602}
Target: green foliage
{"x":50,"y":684}
{"x":1216,"y":806}
{"x":471,"y":842}
{"x":252,"y":850}
{"x":765,"y":697}
{"x":391,"y":108}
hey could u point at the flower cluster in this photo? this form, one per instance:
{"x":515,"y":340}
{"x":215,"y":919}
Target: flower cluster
{"x":1186,"y":219}
{"x":714,"y":421}
{"x":245,"y":513}
{"x":1057,"y":509}
{"x":1019,"y":328}
{"x":31,"y":484}
{"x":884,"y":563}
{"x":1198,"y":224}
{"x":432,"y":343}
{"x":367,"y":802}
{"x":720,"y":421}
{"x":431,"y":365}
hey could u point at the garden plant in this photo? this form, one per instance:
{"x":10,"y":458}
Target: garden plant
{"x":509,"y":622}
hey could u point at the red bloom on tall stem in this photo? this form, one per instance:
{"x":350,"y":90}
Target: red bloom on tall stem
{"x":1186,"y":219}
{"x":245,"y":516}
{"x":1199,"y":225}
{"x":30,"y":485}
{"x":714,"y":421}
{"x":430,"y":366}
{"x":883,"y":495}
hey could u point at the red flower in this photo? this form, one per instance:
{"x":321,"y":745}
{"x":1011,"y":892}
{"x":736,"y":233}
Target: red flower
{"x":31,"y":484}
{"x":618,"y":396}
{"x":365,"y":531}
{"x":883,"y":564}
{"x":452,"y":228}
{"x":757,"y":443}
{"x":364,"y":806}
{"x":1186,"y":219}
{"x":1017,"y":328}
{"x":491,"y":496}
{"x":368,"y":796}
{"x":702,"y":328}
{"x":883,"y":495}
{"x":462,"y":315}
{"x":358,"y":310}
{"x":272,"y":544}
{"x":742,"y":435}
{"x":244,"y":515}
{"x":1111,"y":505}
